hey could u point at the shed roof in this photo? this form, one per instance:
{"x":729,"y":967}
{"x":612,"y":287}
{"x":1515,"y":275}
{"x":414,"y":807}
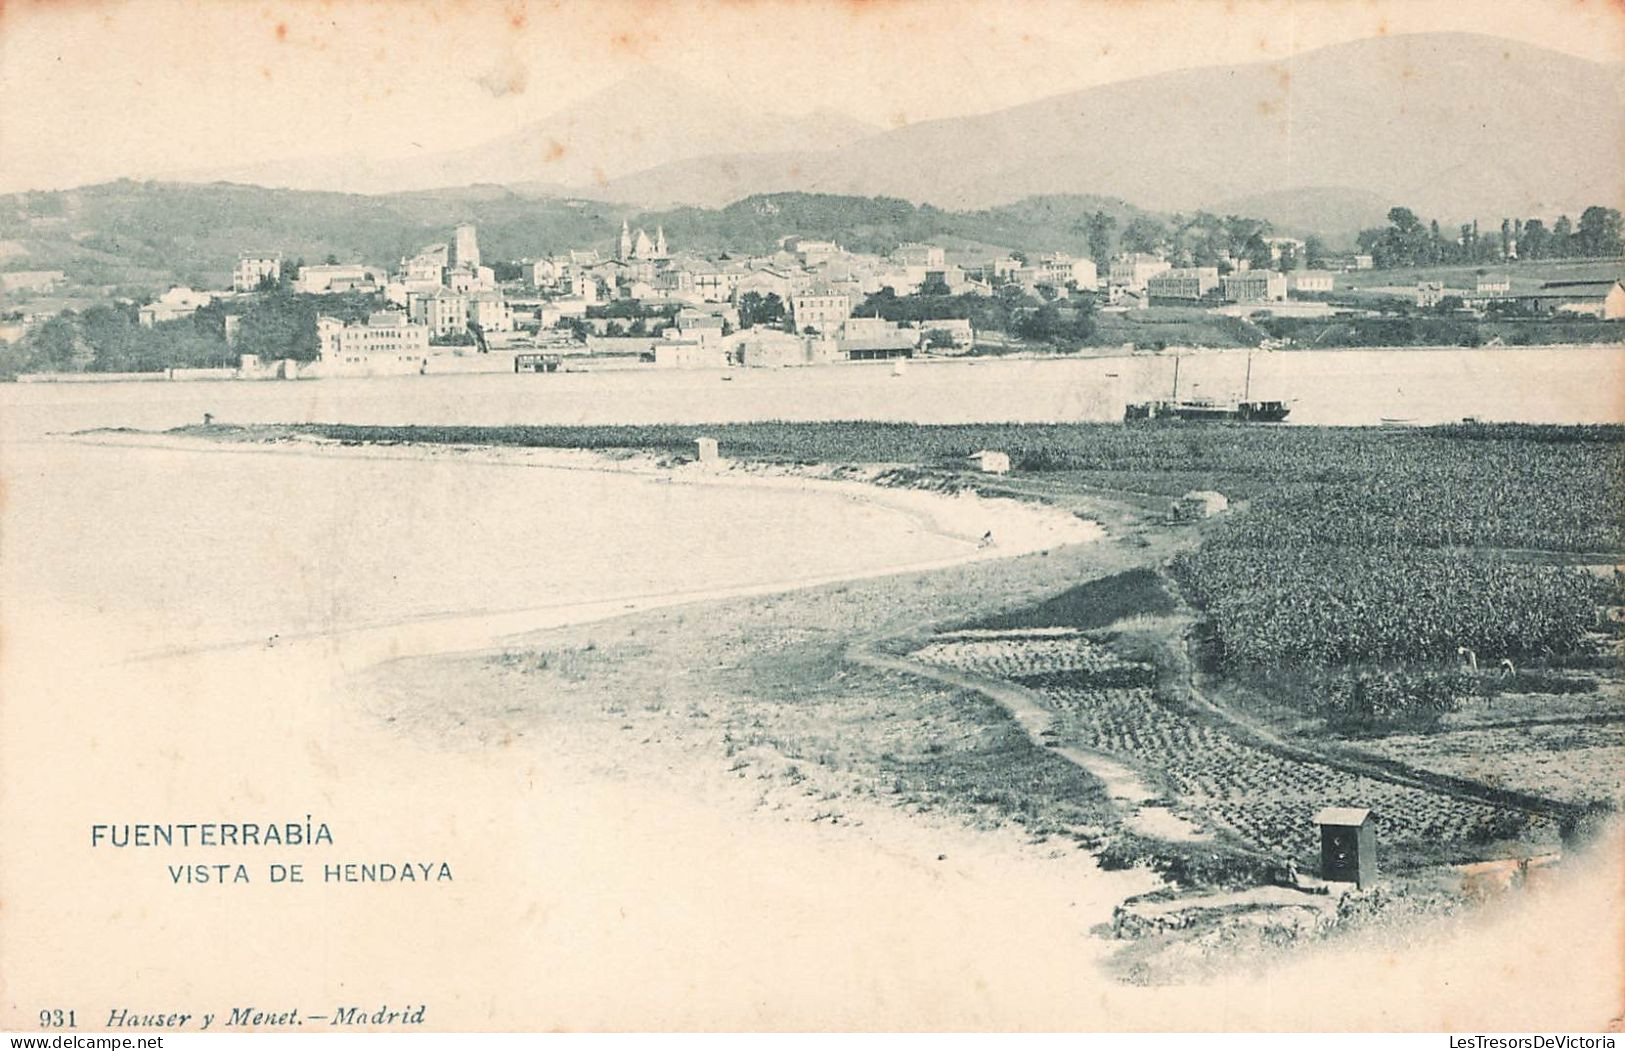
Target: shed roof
{"x":1342,"y":815}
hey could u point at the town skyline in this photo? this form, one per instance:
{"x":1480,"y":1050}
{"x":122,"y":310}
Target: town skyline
{"x":306,"y":83}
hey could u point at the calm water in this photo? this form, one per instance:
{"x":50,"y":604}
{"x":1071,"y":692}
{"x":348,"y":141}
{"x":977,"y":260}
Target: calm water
{"x":217,"y":546}
{"x":1549,"y":384}
{"x":154,"y":549}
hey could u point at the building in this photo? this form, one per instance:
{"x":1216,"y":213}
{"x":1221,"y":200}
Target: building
{"x":1492,"y":284}
{"x":1312,"y":281}
{"x":640,"y":246}
{"x":990,"y":461}
{"x":172,"y":305}
{"x":443,"y":312}
{"x":251,"y":271}
{"x":1254,"y":286}
{"x":1597,"y":299}
{"x":824,"y":312}
{"x":1185,"y":284}
{"x":670,"y":355}
{"x":1062,"y":271}
{"x":385,"y":342}
{"x":693,"y":326}
{"x":873,"y":338}
{"x":350,"y":277}
{"x":765,"y":281}
{"x":490,"y":312}
{"x":1429,"y":293}
{"x":465,"y":247}
{"x":770,"y":348}
{"x":1348,"y":846}
{"x":914,"y":254}
{"x":713,"y":283}
{"x":1134,"y":269}
{"x":811,"y":252}
{"x":957,"y":330}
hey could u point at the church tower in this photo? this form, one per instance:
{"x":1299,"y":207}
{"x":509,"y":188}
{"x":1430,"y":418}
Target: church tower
{"x":660,"y":242}
{"x":625,"y":249}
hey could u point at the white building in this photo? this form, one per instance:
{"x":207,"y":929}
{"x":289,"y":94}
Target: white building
{"x":1061,"y":270}
{"x":825,"y":312}
{"x":491,"y":312}
{"x":1183,"y":283}
{"x":1312,"y":281}
{"x":385,"y":343}
{"x":251,"y":270}
{"x":352,"y":277}
{"x":923,"y":255}
{"x":689,"y":356}
{"x":466,"y":247}
{"x":1134,"y":269}
{"x":172,"y":305}
{"x":444,"y":312}
{"x":1255,"y":286}
{"x":810,"y":252}
{"x":427,"y":267}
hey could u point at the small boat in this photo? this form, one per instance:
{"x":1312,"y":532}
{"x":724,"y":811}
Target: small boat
{"x":1396,"y":421}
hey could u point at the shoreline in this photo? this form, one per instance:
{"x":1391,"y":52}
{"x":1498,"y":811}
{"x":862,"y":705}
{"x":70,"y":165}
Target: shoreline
{"x":1019,"y":527}
{"x":1113,"y":352}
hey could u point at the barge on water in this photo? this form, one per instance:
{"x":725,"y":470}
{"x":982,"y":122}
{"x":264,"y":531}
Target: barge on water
{"x":1205,"y":410}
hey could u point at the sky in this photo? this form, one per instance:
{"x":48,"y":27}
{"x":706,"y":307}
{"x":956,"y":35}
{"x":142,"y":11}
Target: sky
{"x":92,"y":90}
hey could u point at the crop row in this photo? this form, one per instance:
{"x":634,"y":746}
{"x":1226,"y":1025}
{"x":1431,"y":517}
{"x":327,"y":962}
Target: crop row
{"x":1267,"y":798}
{"x":1282,"y":606}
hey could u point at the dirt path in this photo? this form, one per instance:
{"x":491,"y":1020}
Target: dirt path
{"x":1131,"y":795}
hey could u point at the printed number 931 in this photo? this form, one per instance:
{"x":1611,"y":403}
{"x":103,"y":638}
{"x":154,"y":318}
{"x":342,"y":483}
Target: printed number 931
{"x":56,"y":1019}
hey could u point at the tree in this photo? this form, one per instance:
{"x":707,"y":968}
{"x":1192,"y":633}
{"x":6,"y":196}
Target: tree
{"x":1599,"y":232}
{"x":1562,"y":237}
{"x":1256,"y":252}
{"x":1314,"y":251}
{"x":1403,"y":220}
{"x":757,"y":309}
{"x":1144,"y":234}
{"x":332,"y":260}
{"x":1100,"y":228}
{"x":1533,"y":243}
{"x":55,"y":345}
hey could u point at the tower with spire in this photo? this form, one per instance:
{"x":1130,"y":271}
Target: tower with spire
{"x":660,"y":242}
{"x":624,"y":251}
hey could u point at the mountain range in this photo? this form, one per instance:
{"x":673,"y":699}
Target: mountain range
{"x":1453,"y":125}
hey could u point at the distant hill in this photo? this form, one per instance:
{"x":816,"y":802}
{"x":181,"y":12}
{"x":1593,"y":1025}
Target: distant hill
{"x":652,"y":118}
{"x":151,"y":234}
{"x":1335,"y":213}
{"x":1454,"y":125}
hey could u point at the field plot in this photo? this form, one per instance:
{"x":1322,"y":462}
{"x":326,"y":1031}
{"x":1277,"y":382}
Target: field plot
{"x":1109,"y":705}
{"x":1571,"y":761}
